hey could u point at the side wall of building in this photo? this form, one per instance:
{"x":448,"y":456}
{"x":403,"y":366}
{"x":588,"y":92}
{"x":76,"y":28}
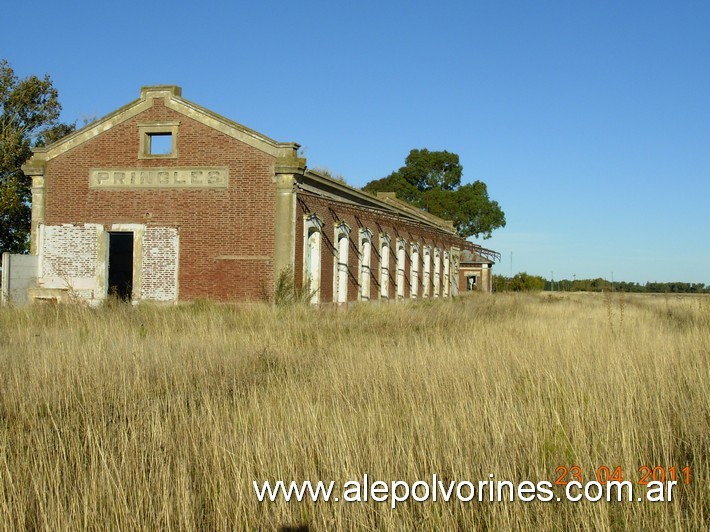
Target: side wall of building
{"x":475,"y":277}
{"x":405,"y":275}
{"x":215,"y":243}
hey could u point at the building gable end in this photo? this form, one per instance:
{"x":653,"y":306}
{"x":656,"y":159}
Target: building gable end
{"x":172,"y":100}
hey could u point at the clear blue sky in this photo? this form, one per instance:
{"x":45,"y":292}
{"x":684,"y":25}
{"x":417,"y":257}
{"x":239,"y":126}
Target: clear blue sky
{"x":589,"y":121}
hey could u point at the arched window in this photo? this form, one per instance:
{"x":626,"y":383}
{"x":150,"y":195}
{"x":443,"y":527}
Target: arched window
{"x":340,"y":277}
{"x":414,"y":270}
{"x":437,"y":272}
{"x":401,"y":258}
{"x":426,"y":281}
{"x":311,"y":256}
{"x":446,"y":280}
{"x":365,"y":261}
{"x":384,"y":266}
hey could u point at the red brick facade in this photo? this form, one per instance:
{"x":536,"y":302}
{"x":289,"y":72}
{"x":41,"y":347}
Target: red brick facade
{"x":215,"y":226}
{"x":188,"y":237}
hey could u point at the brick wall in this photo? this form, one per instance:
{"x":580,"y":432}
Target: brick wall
{"x":69,"y":252}
{"x":234,"y":222}
{"x":159,"y":275}
{"x":483,"y":277}
{"x":332,"y":212}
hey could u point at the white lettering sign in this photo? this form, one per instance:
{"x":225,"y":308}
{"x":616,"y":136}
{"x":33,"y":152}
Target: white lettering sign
{"x":122,"y":178}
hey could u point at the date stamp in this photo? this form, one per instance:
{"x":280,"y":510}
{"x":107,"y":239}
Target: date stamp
{"x":605,"y":474}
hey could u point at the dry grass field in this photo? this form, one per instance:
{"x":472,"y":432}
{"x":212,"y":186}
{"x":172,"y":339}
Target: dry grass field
{"x":148,"y":418}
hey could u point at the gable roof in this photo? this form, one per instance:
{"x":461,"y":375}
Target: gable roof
{"x":285,"y":153}
{"x":172,"y":98}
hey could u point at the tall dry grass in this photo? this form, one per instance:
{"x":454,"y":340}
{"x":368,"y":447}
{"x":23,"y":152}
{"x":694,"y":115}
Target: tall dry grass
{"x":161,"y":418}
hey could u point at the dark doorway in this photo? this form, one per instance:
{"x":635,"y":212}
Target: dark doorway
{"x":120,"y":265}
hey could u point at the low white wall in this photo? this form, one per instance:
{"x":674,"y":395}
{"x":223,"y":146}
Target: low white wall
{"x":19,"y":274}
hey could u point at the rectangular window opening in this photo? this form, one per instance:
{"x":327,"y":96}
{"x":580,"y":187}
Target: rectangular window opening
{"x":160,"y":143}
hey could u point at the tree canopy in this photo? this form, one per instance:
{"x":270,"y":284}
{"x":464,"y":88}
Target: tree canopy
{"x":521,"y":282}
{"x":29,"y":116}
{"x":431,"y":180}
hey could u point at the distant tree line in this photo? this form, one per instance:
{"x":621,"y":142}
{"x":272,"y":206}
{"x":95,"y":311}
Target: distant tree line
{"x":523,"y":282}
{"x":520,"y":282}
{"x":599,"y":284}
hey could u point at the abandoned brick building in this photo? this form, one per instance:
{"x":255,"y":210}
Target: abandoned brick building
{"x":164,"y":200}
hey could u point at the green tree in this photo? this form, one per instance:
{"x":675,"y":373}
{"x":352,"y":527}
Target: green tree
{"x":520,"y":282}
{"x":29,"y":116}
{"x":431,"y":180}
{"x":524,"y":282}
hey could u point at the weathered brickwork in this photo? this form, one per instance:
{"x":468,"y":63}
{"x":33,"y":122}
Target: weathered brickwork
{"x":236,"y":221}
{"x":160,"y":264}
{"x":69,"y":252}
{"x":379,"y":223}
